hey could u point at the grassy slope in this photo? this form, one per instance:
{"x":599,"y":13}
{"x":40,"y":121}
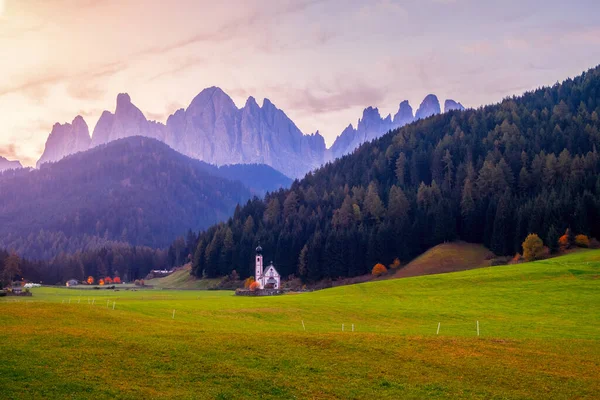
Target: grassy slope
{"x":540,"y":338}
{"x":181,"y":279}
{"x":447,"y":257}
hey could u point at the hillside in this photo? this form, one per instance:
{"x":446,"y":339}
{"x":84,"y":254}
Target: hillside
{"x":488,"y":176}
{"x":447,"y":257}
{"x":181,"y":279}
{"x":538,"y":339}
{"x":136,"y":190}
{"x":259,"y":178}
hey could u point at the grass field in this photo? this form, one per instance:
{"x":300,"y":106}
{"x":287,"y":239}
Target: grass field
{"x":539,"y":338}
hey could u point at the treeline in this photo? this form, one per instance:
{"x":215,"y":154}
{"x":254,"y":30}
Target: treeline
{"x":127,"y":262}
{"x":492,"y":175}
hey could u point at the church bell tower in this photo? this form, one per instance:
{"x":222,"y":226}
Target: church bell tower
{"x":258,"y":273}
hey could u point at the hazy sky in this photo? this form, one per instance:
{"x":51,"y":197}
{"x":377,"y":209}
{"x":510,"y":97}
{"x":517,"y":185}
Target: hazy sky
{"x":321,"y":61}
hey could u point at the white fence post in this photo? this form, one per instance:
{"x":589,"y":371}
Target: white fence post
{"x":438,"y":331}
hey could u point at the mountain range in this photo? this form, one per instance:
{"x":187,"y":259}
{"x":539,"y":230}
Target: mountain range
{"x":213,"y":129}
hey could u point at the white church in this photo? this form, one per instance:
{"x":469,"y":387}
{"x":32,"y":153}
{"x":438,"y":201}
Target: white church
{"x":269,"y":279}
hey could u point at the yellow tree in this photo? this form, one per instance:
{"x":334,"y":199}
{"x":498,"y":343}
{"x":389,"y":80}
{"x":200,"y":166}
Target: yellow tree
{"x":533,"y":247}
{"x":582,"y":241}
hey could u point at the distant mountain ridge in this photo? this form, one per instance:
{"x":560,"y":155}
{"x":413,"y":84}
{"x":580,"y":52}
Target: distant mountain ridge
{"x":213,"y":129}
{"x":6,"y":164}
{"x":66,"y":139}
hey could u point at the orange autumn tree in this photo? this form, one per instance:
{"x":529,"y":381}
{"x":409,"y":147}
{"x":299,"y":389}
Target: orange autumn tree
{"x":117,"y":279}
{"x":108,"y":280}
{"x":249,"y":281}
{"x":254,"y":286}
{"x":90,"y":280}
{"x":395,"y":264}
{"x":101,"y":282}
{"x":379,"y":269}
{"x":563,"y":242}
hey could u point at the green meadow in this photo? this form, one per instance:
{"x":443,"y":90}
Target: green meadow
{"x":539,"y":338}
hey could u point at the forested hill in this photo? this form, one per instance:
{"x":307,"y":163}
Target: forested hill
{"x":259,"y":178}
{"x":491,"y":176}
{"x":135,"y":190}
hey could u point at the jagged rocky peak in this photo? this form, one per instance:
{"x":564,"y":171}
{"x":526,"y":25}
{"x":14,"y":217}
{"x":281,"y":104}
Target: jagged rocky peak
{"x":127,"y":121}
{"x":213,"y":97}
{"x":6,"y":164}
{"x":404,"y":115}
{"x":430,"y":106}
{"x":316,"y":140}
{"x":251,"y":103}
{"x":66,"y":139}
{"x":123,"y":100}
{"x":450,"y":105}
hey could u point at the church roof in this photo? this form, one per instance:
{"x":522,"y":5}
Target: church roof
{"x":268,"y":268}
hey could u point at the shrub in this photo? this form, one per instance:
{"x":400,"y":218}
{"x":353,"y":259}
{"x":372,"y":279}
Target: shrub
{"x":516,"y":259}
{"x":533,"y":247}
{"x":582,"y":241}
{"x":117,"y":280}
{"x":396,"y":264}
{"x":254,"y":286}
{"x":378,"y":270}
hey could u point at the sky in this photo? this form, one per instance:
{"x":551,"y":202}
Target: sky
{"x":321,"y":61}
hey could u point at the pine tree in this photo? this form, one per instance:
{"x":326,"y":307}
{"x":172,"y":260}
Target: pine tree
{"x":373,"y":204}
{"x":401,"y":168}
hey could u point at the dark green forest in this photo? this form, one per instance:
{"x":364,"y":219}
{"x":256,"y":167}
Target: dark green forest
{"x":492,"y":175}
{"x":136,"y":190}
{"x":127,"y":262}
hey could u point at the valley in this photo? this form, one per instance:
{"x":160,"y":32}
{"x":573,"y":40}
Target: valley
{"x":538,"y":338}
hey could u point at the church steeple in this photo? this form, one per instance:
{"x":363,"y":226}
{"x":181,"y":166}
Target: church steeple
{"x":258,"y":272}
